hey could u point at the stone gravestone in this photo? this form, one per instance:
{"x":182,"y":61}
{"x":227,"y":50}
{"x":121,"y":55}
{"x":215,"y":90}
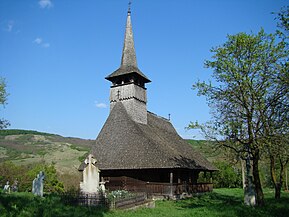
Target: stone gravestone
{"x":6,"y":187}
{"x":15,"y":185}
{"x":37,"y":185}
{"x":90,"y":183}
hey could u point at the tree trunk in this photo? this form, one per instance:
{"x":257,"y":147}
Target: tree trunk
{"x":273,"y":174}
{"x":278,"y":191}
{"x":249,"y":191}
{"x":243,"y":173}
{"x":281,"y":177}
{"x":286,"y":175}
{"x":257,"y":181}
{"x":277,"y":185}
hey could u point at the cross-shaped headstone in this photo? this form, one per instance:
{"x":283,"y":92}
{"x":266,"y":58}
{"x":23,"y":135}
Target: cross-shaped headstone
{"x":90,"y":160}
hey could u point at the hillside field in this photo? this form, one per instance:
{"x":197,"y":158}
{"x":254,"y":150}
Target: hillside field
{"x":30,"y":147}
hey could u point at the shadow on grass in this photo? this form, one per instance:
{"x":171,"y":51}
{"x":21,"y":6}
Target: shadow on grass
{"x":26,"y":204}
{"x":222,"y":204}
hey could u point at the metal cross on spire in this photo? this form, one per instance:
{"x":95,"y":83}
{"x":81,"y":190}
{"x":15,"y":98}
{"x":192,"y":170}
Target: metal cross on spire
{"x":129,"y":4}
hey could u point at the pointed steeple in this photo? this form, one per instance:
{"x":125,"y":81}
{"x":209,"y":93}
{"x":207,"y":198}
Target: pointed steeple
{"x":128,"y":82}
{"x":128,"y":60}
{"x":128,"y":52}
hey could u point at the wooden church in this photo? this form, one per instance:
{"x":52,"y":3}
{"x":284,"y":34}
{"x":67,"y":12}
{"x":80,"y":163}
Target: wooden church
{"x":137,"y":150}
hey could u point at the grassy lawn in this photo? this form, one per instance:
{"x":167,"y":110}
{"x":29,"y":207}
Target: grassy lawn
{"x":222,"y":202}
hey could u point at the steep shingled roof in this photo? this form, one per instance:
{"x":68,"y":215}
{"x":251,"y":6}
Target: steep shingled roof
{"x":125,"y":144}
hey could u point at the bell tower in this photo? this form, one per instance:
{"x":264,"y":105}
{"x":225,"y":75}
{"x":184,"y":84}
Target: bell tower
{"x":128,"y":82}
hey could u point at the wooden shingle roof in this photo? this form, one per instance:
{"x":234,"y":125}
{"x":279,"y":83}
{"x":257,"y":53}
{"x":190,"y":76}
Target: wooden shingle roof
{"x":125,"y":144}
{"x":125,"y":70}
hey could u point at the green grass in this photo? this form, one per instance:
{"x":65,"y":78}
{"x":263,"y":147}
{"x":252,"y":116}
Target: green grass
{"x":25,"y":204}
{"x":221,"y":202}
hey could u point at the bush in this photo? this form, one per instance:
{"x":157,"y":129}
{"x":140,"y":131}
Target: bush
{"x":51,"y":182}
{"x":26,"y":174}
{"x":227,"y":176}
{"x":119,"y":194}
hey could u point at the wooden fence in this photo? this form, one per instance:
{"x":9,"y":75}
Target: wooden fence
{"x":85,"y":199}
{"x":131,"y":201}
{"x":93,"y":200}
{"x":98,"y":200}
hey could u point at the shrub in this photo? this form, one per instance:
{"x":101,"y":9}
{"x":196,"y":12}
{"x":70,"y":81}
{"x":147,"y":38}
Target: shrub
{"x":25,"y":175}
{"x":228,"y":176}
{"x":118,"y":194}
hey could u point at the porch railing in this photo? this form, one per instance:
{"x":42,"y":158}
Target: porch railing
{"x":157,"y":188}
{"x":168,"y":189}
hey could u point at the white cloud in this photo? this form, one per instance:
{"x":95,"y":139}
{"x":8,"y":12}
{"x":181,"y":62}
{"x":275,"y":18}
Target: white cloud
{"x":7,"y":26}
{"x":100,"y":105}
{"x":39,"y":41}
{"x":45,"y":3}
{"x":46,"y":45}
{"x":10,"y":25}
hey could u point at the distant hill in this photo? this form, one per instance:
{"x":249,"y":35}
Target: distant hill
{"x":26,"y":147}
{"x":211,"y":151}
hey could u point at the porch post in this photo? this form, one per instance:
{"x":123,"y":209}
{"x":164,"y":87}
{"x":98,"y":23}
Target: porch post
{"x":211,"y":177}
{"x":171,"y":183}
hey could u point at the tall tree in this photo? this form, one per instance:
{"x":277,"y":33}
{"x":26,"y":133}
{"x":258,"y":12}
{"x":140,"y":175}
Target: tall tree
{"x":3,"y":101}
{"x":283,"y":24}
{"x":276,"y":115}
{"x":278,"y":152}
{"x":244,"y":69}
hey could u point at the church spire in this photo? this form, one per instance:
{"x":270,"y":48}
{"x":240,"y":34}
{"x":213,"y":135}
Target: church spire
{"x":128,"y":52}
{"x":128,"y":82}
{"x":128,"y":60}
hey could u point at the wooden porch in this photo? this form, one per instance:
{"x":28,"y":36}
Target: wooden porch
{"x":168,"y":189}
{"x":156,"y":188}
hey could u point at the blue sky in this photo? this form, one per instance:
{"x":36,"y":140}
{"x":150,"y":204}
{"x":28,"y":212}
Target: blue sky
{"x":55,"y":54}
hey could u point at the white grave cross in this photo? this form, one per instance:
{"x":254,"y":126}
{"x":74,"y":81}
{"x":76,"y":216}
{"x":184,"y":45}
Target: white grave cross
{"x":90,"y":174}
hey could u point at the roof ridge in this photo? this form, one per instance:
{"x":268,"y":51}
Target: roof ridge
{"x":158,"y":116}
